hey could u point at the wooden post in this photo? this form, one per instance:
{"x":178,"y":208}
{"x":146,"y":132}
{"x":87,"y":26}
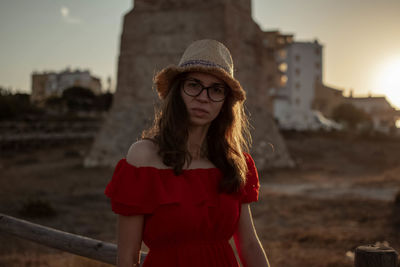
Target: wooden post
{"x":79,"y":245}
{"x":375,"y":256}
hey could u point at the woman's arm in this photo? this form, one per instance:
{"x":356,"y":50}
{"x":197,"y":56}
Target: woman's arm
{"x":247,"y":243}
{"x":129,"y":234}
{"x":130,"y":228}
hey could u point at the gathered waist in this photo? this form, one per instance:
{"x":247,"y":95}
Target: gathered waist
{"x":189,"y":245}
{"x":195,"y":254}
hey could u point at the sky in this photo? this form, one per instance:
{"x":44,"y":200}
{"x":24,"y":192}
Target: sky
{"x":361,"y":39}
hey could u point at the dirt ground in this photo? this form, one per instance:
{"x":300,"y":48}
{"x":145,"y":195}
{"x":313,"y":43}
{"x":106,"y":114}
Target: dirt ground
{"x":340,"y":195}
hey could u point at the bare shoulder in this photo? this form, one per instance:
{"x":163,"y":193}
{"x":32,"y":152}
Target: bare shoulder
{"x":143,"y":153}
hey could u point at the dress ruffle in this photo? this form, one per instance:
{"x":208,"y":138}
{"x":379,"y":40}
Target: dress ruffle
{"x":252,"y":186}
{"x":140,"y":190}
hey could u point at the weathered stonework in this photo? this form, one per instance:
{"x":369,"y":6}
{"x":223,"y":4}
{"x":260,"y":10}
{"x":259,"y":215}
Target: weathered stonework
{"x":155,"y":34}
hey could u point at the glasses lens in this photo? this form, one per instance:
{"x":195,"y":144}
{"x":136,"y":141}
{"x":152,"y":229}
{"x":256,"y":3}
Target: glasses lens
{"x":192,"y":87}
{"x":217,"y":92}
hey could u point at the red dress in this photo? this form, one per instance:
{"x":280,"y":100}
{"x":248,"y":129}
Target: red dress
{"x":187,"y":222}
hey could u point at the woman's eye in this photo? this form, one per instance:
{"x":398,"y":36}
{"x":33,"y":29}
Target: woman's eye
{"x":218,"y":89}
{"x":192,"y":84}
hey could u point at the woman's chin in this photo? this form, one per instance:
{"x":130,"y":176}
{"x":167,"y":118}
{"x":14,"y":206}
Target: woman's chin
{"x":199,"y":122}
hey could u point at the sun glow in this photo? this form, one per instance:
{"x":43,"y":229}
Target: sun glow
{"x":388,"y":81}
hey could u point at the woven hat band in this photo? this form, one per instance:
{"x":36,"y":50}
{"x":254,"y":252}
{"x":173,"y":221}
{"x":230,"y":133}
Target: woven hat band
{"x":204,"y":63}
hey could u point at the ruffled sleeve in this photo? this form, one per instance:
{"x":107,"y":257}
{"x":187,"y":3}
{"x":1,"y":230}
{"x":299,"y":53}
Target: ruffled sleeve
{"x":139,"y":190}
{"x":252,"y":186}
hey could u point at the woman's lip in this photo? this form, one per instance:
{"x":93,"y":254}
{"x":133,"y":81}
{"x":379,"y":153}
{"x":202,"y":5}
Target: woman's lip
{"x":199,"y":111}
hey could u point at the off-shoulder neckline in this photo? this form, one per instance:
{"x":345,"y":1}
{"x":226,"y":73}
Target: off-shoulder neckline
{"x":168,"y":169}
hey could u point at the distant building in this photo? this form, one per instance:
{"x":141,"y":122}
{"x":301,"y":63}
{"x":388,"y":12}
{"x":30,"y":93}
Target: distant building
{"x":275,"y":44}
{"x":297,"y":92}
{"x":383,"y":115}
{"x":48,"y":84}
{"x":326,"y":99}
{"x":301,"y":67}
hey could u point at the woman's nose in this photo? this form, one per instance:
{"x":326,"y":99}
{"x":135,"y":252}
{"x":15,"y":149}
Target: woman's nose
{"x":203,"y":96}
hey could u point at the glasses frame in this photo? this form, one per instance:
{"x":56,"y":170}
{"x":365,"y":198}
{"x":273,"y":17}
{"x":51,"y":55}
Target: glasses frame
{"x":204,"y":88}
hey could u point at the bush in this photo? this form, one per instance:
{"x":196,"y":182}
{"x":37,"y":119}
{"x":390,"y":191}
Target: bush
{"x":103,"y":101}
{"x":36,"y":208}
{"x":16,"y":105}
{"x":78,"y":98}
{"x":83,"y":99}
{"x":351,"y":116}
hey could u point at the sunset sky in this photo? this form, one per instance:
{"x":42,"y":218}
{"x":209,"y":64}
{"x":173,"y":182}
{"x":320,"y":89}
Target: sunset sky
{"x":361,"y":38}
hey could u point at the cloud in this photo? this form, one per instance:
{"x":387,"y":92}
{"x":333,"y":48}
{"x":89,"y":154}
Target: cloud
{"x":67,"y":17}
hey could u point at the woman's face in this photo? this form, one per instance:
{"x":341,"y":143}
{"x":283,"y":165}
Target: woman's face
{"x":201,"y":109}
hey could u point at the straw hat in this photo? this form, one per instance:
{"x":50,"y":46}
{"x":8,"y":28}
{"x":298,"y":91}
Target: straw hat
{"x":207,"y":56}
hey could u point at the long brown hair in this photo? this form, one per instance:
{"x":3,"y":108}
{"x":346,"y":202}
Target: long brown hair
{"x":228,"y":137}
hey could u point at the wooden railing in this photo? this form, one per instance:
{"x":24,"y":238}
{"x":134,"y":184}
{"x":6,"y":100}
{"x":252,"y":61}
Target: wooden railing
{"x":365,"y":256}
{"x":76,"y":244}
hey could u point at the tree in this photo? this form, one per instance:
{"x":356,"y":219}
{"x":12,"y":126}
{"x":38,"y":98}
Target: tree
{"x":350,"y":115}
{"x":16,"y":105}
{"x":78,"y":98}
{"x":103,"y":102}
{"x":55,"y":104}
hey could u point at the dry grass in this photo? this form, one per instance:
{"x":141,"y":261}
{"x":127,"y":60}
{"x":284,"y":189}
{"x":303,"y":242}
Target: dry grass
{"x":40,"y":258}
{"x":300,"y":231}
{"x":296,"y":230}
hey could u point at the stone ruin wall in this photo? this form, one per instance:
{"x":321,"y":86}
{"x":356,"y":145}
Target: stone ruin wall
{"x":155,"y":34}
{"x":245,"y":40}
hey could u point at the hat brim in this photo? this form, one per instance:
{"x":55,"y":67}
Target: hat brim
{"x":166,"y":76}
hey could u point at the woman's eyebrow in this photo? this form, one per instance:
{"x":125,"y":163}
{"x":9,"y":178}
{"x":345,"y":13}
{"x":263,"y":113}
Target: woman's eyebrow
{"x":194,"y":79}
{"x":198,"y":81}
{"x":219,"y":84}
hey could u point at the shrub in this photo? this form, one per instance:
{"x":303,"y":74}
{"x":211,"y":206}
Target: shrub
{"x":351,"y":115}
{"x":37,"y":208}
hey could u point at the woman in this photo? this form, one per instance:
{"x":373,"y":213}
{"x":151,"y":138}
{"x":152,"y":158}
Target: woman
{"x":185,"y":188}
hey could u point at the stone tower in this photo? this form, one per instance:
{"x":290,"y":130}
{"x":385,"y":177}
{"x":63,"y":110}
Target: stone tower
{"x":155,"y":34}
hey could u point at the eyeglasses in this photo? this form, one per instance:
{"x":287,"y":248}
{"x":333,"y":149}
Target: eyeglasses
{"x":194,"y":87}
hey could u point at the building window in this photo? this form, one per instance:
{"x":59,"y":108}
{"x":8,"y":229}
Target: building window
{"x":282,"y":54}
{"x":317,"y":65}
{"x":297,"y":85}
{"x":317,"y":78}
{"x":297,"y":71}
{"x":317,"y":51}
{"x":297,"y":58}
{"x":283,"y":67}
{"x":297,"y":101}
{"x":283,"y":80}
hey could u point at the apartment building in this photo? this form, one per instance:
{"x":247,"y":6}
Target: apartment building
{"x":48,"y":84}
{"x":301,"y":67}
{"x":274,"y":43}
